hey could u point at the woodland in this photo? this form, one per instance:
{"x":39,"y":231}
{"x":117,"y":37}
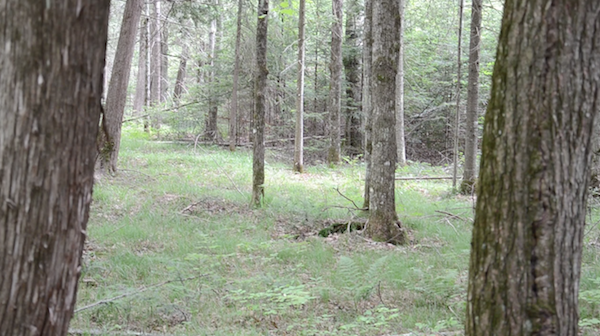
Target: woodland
{"x":358,"y":167}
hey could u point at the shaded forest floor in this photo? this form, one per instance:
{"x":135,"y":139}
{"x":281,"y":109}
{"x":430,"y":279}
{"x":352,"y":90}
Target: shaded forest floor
{"x":173,"y":239}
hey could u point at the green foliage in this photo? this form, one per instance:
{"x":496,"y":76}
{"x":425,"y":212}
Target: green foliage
{"x":358,"y":282}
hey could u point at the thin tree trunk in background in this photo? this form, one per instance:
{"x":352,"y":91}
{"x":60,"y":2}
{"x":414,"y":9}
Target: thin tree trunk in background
{"x":335,"y":86}
{"x":260,"y":90}
{"x":233,"y":113}
{"x":469,"y":172}
{"x":366,"y":96}
{"x":164,"y":59}
{"x":141,"y":87}
{"x":50,"y":91}
{"x":110,"y":139}
{"x":351,"y":66}
{"x":299,"y":135}
{"x":210,"y":132}
{"x":401,"y":142}
{"x":383,"y":221}
{"x":155,"y":60}
{"x":181,"y":74}
{"x":458,"y":89}
{"x":526,"y":250}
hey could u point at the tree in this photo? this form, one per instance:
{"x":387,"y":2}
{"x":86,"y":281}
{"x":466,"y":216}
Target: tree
{"x":233,"y":114}
{"x":527,"y":238}
{"x":458,"y":89}
{"x":401,"y":143}
{"x":155,"y":59}
{"x":335,"y":86}
{"x":469,"y":171}
{"x":383,"y":221}
{"x":50,"y":90}
{"x":260,"y":88}
{"x":181,"y":74}
{"x":299,"y":135}
{"x":351,"y":63}
{"x":141,"y":87}
{"x":366,"y":97}
{"x":211,"y":131}
{"x":110,"y":139}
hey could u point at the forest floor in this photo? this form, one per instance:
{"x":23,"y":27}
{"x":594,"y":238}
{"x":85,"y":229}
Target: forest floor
{"x":175,"y":249}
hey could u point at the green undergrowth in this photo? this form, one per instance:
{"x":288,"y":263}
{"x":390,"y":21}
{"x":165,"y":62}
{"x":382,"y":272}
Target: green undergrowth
{"x":173,"y":238}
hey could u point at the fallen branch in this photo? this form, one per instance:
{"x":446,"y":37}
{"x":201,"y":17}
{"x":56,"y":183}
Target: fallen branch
{"x":423,"y":178}
{"x":450,"y":215}
{"x":355,"y":206}
{"x":135,"y":118}
{"x":139,"y":291}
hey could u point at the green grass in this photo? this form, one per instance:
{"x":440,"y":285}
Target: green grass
{"x":181,"y":215}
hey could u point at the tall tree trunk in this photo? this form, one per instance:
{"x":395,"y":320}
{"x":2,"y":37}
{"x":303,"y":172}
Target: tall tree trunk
{"x":213,"y":110}
{"x":383,"y":220}
{"x":335,"y":86}
{"x":458,"y":90}
{"x":260,"y":91}
{"x":50,"y":91}
{"x":155,"y":60}
{"x":469,"y":172}
{"x":400,"y":141}
{"x":164,"y":59}
{"x":233,"y":113}
{"x":366,"y":97}
{"x":351,"y":67}
{"x":141,"y":86}
{"x":299,"y":135}
{"x":110,"y":139}
{"x":527,"y":237}
{"x":181,"y":74}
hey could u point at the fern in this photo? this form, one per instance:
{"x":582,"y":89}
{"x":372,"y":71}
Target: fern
{"x":359,"y":282}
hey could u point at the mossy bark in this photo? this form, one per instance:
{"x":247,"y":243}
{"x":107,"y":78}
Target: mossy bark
{"x":532,"y":189}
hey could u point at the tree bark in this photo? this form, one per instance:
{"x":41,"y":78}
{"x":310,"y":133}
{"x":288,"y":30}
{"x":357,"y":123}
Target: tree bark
{"x":469,"y":172}
{"x":383,"y":220}
{"x":164,"y":59}
{"x":260,"y":90}
{"x":233,"y":114}
{"x":351,"y":66}
{"x":155,"y":60}
{"x":366,"y":97}
{"x":181,"y":74}
{"x":141,"y":87}
{"x":299,"y":134}
{"x":110,"y":138}
{"x":527,"y":238}
{"x":401,"y":142}
{"x":210,"y":133}
{"x":335,"y":87}
{"x":458,"y":90}
{"x":51,"y":80}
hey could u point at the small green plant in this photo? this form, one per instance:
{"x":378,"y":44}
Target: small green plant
{"x":360,"y":283}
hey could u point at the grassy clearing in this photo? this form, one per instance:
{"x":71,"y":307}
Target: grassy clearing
{"x":181,"y":215}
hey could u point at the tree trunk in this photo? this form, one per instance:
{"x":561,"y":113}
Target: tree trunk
{"x":164,"y":59}
{"x":351,"y":67}
{"x":366,"y":97}
{"x":181,"y":74}
{"x":141,"y":87}
{"x":401,"y":142}
{"x":527,"y":238}
{"x":110,"y":138}
{"x":155,"y":60}
{"x":210,"y":133}
{"x":233,"y":114}
{"x":335,"y":86}
{"x":458,"y":90}
{"x":50,"y":92}
{"x":469,"y":171}
{"x":383,"y":221}
{"x":299,"y":135}
{"x":260,"y":90}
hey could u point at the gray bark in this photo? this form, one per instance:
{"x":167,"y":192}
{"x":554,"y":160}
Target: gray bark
{"x":470,"y":172}
{"x":299,"y":134}
{"x":458,"y":90}
{"x":527,"y":238}
{"x":366,"y":96}
{"x":110,"y":139}
{"x":383,"y":221}
{"x":233,"y":114}
{"x":181,"y":74}
{"x":155,"y":60}
{"x":335,"y":86}
{"x":260,"y":90}
{"x":141,"y":87}
{"x":351,"y":68}
{"x":401,"y":142}
{"x":51,"y":80}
